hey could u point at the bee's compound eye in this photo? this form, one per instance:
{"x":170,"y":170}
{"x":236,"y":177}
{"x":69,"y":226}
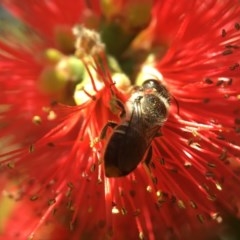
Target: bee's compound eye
{"x":154,"y":84}
{"x":150,"y":83}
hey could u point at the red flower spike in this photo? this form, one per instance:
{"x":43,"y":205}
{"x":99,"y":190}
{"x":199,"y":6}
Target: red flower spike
{"x":21,"y":101}
{"x":58,"y":13}
{"x":52,"y":172}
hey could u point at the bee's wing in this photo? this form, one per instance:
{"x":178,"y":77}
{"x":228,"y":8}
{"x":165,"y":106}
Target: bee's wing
{"x":136,"y":140}
{"x":148,"y":132}
{"x":138,"y":121}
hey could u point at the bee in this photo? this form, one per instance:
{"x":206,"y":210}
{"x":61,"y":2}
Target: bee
{"x":130,"y":141}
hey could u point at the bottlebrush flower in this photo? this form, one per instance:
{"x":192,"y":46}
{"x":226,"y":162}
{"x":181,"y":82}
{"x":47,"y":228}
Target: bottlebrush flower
{"x":60,"y":89}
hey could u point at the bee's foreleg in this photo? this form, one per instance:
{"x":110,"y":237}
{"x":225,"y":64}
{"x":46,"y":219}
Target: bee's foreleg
{"x":105,"y":128}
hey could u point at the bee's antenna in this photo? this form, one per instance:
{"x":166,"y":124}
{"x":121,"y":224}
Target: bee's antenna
{"x":177,"y":104}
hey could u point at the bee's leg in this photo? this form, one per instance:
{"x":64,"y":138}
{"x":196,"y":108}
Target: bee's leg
{"x":158,"y":134}
{"x":177,"y":104}
{"x":149,"y":156}
{"x":105,"y":128}
{"x":121,"y":106}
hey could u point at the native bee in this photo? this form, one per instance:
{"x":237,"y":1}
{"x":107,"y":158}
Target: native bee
{"x":130,"y":141}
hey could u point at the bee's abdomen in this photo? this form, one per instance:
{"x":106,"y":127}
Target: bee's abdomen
{"x":125,"y":149}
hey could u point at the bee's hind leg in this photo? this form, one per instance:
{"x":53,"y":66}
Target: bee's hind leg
{"x":148,"y":157}
{"x":105,"y":128}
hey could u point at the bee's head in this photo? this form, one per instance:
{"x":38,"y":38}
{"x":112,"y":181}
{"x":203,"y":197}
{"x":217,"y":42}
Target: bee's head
{"x":151,"y":85}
